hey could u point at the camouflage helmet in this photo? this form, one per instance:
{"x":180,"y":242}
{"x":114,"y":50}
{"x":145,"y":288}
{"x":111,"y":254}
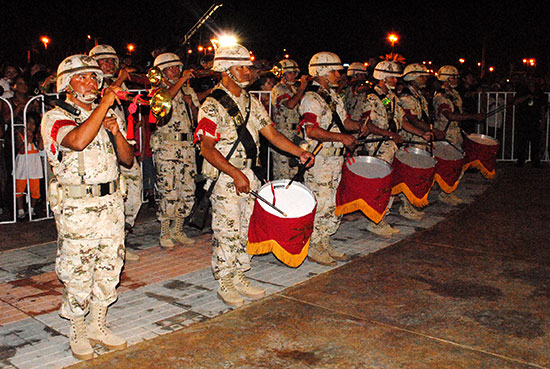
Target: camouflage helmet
{"x":446,"y":72}
{"x":387,"y":68}
{"x":227,"y":56}
{"x":166,"y":60}
{"x":415,"y":70}
{"x":76,"y":64}
{"x":356,"y":68}
{"x":288,"y":65}
{"x":323,"y":62}
{"x":104,"y":52}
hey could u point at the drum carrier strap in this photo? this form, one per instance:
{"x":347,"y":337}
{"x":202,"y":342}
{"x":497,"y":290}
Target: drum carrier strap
{"x":247,"y":140}
{"x":332,"y":105}
{"x":390,"y":110}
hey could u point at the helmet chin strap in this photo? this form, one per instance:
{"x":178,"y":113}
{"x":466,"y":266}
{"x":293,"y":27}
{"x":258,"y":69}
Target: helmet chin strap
{"x":85,"y":98}
{"x":240,"y":84}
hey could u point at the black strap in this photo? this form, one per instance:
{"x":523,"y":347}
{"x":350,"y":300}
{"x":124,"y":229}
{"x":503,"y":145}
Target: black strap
{"x":242,"y":129}
{"x":390,"y":110}
{"x":328,"y":99}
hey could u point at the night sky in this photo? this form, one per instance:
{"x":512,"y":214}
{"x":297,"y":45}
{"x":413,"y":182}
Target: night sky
{"x":356,"y":30}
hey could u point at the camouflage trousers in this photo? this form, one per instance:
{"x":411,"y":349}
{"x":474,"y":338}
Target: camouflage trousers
{"x":176,"y":183}
{"x":90,"y":252}
{"x":281,"y":166}
{"x":323,"y":179}
{"x":134,"y":183}
{"x":230,"y":219}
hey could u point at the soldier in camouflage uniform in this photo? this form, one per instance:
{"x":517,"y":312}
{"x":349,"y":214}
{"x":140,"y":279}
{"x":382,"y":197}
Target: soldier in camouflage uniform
{"x":231,"y":207}
{"x":109,"y":63}
{"x":448,"y":112}
{"x":356,"y":90}
{"x":285,"y":97}
{"x":317,"y":107}
{"x":86,"y":199}
{"x":174,"y":152}
{"x":384,"y":111}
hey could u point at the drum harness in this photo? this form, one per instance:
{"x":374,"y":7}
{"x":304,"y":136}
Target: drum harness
{"x":197,"y":217}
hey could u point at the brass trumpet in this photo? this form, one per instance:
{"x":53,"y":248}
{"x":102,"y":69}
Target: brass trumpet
{"x":276,"y":71}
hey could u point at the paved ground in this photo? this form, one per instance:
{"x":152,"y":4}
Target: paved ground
{"x":467,"y":287}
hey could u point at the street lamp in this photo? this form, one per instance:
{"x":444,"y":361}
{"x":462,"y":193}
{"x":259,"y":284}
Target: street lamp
{"x":131,"y":48}
{"x":461,"y":60}
{"x":45,"y":40}
{"x":393,"y":38}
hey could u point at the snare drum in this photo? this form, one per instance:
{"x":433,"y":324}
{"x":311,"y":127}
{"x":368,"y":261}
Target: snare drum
{"x":365,"y":186}
{"x":287,"y":237}
{"x":448,"y":169}
{"x":481,"y":153}
{"x":413,"y":174}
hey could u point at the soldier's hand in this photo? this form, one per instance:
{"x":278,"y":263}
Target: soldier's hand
{"x":110,"y":95}
{"x":187,"y":74}
{"x":242,"y":184}
{"x":396,"y":138}
{"x":305,"y":156}
{"x":304,"y":80}
{"x":349,"y":141}
{"x":110,"y":123}
{"x":125,"y":73}
{"x":479,"y":117}
{"x":428,"y":136}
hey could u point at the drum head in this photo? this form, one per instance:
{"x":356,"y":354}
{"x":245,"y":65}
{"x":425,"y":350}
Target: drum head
{"x":446,"y":151}
{"x":368,"y":167}
{"x":296,"y":201}
{"x":415,"y":158}
{"x":482,"y":139}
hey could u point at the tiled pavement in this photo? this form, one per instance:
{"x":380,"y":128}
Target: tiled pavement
{"x":164,"y":291}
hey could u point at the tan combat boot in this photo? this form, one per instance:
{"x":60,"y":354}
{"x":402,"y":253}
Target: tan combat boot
{"x":178,"y":235}
{"x":449,"y":198}
{"x":319,"y":255}
{"x":382,"y":229}
{"x":78,"y":339}
{"x":228,"y":293}
{"x":407,"y":210}
{"x":335,"y":254}
{"x":165,"y":237}
{"x":243,"y":286}
{"x":98,"y":331}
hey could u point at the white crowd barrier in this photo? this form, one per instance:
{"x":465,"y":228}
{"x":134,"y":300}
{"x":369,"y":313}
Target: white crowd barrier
{"x":500,"y":126}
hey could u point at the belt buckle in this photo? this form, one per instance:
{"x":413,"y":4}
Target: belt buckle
{"x":104,"y":189}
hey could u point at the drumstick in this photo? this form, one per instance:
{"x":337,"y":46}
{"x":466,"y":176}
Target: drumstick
{"x":257,"y":195}
{"x":304,"y":166}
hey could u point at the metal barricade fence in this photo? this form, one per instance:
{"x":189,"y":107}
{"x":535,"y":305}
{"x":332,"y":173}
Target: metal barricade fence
{"x":502,"y":125}
{"x":47,"y":174}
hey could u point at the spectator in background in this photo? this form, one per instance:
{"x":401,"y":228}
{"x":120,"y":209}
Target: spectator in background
{"x":468,"y":89}
{"x":28,"y":165}
{"x":19,"y":101}
{"x":9,"y":75}
{"x":531,"y":105}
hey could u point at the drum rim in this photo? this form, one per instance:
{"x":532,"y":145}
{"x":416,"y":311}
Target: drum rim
{"x":370,"y":159}
{"x":283,"y":183}
{"x":484,"y":137}
{"x":422,"y":152}
{"x":443,"y":142}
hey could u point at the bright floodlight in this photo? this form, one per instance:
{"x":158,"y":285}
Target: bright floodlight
{"x":227,"y":40}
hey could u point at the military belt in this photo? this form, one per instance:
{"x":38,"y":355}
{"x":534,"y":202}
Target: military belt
{"x":177,"y":137}
{"x":241,"y":163}
{"x":90,"y":190}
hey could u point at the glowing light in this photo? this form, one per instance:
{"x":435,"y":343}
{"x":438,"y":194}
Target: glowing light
{"x":393,"y":38}
{"x":89,"y":37}
{"x":366,"y":64}
{"x":491,"y":69}
{"x":45,"y":40}
{"x":287,"y":56}
{"x":227,"y":40}
{"x":252,"y":57}
{"x":131,"y":48}
{"x":209,"y":48}
{"x":479,"y":64}
{"x":200,"y":48}
{"x":189,"y":51}
{"x":461,"y":60}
